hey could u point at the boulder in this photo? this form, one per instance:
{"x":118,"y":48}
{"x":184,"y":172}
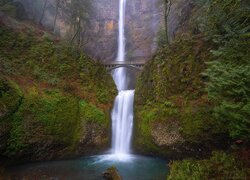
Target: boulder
{"x":111,"y":174}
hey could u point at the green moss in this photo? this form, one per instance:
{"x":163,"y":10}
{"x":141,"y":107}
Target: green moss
{"x":171,"y":90}
{"x":51,"y":116}
{"x":155,"y":112}
{"x":91,"y":113}
{"x":204,"y":73}
{"x":57,"y":112}
{"x":145,"y":118}
{"x":197,"y":124}
{"x":102,"y":96}
{"x":219,"y":166}
{"x":55,"y":63}
{"x":10,"y":98}
{"x":43,"y":116}
{"x":174,"y":70}
{"x":16,"y":141}
{"x":60,"y":94}
{"x":9,"y":9}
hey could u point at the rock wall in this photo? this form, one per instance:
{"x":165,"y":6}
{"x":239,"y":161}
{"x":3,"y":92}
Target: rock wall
{"x":102,"y":32}
{"x":172,"y":112}
{"x":178,"y":17}
{"x":144,"y":18}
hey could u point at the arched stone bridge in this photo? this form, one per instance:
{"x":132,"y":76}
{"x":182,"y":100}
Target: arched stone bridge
{"x":111,"y":65}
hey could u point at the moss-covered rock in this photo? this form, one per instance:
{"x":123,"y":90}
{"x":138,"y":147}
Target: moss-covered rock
{"x":111,"y":174}
{"x":173,"y":113}
{"x":10,"y":97}
{"x":54,"y":100}
{"x":50,"y":124}
{"x":205,"y":75}
{"x":10,"y":100}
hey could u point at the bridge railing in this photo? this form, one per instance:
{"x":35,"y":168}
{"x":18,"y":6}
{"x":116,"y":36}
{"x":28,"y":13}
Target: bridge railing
{"x":125,"y":62}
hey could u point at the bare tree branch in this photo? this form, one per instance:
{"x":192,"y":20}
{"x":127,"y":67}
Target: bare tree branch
{"x":43,"y":12}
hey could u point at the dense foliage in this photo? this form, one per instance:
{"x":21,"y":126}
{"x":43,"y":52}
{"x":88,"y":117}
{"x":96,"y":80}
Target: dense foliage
{"x":57,"y":64}
{"x":51,"y":97}
{"x":218,"y":166}
{"x":210,"y":68}
{"x":172,"y":93}
{"x":13,"y":8}
{"x":226,"y":24}
{"x":196,"y":89}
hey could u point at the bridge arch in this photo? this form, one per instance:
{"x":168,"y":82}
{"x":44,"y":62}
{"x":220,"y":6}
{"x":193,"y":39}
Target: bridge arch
{"x":137,"y":65}
{"x":111,"y":68}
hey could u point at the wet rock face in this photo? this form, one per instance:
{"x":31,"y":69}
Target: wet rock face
{"x":178,"y":17}
{"x":93,"y":135}
{"x":102,"y":32}
{"x":144,"y":18}
{"x":143,"y":22}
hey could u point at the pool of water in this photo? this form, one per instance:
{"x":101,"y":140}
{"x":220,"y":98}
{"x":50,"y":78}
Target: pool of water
{"x":130,"y":167}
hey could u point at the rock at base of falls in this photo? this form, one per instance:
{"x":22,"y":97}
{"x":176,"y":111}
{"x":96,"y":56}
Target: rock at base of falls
{"x":111,"y":174}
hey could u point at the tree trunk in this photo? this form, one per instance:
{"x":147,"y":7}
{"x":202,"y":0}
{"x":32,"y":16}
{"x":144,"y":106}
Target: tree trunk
{"x":168,"y":5}
{"x":44,"y":8}
{"x":57,"y":7}
{"x":77,"y":31}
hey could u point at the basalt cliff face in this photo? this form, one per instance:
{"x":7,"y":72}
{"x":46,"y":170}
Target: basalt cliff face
{"x":145,"y":19}
{"x":98,"y":25}
{"x":178,"y":13}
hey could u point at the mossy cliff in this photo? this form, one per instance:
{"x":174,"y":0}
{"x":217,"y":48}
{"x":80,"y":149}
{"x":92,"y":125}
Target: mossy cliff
{"x":195,"y":91}
{"x":54,"y":100}
{"x":173,"y":114}
{"x":193,"y":97}
{"x":219,"y":166}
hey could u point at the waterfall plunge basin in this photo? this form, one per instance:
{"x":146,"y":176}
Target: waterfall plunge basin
{"x":130,"y":167}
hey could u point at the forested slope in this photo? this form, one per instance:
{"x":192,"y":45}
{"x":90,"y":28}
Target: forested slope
{"x":55,"y":101}
{"x":193,"y":97}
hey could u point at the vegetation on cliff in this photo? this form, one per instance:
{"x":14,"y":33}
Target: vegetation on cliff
{"x":52,"y":97}
{"x":172,"y":95}
{"x":195,"y":91}
{"x":228,"y":84}
{"x":219,"y":166}
{"x":75,"y":14}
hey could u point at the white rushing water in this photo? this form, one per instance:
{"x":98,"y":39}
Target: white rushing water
{"x":121,"y":36}
{"x":122,"y":121}
{"x":122,"y":114}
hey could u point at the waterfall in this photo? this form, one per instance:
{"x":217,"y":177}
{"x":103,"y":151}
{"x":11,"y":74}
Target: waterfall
{"x":122,"y":122}
{"x":122,"y":114}
{"x":121,"y":36}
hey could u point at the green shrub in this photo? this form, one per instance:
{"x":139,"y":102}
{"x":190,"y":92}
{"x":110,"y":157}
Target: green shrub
{"x":225,"y":23}
{"x":219,"y":166}
{"x":102,"y":96}
{"x":10,"y":98}
{"x":90,"y":113}
{"x":229,"y":87}
{"x":9,"y":9}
